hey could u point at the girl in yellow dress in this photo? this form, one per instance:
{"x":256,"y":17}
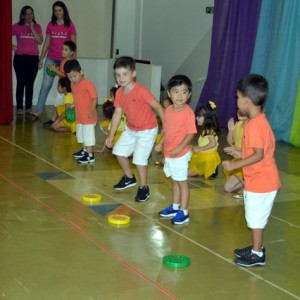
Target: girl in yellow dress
{"x":235,"y":179}
{"x":205,"y":158}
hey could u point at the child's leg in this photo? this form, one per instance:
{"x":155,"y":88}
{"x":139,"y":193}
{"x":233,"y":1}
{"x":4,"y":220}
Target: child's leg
{"x":233,"y":184}
{"x":143,"y":174}
{"x":257,"y":238}
{"x":176,"y":192}
{"x":125,"y":165}
{"x":59,"y":126}
{"x":184,"y":194}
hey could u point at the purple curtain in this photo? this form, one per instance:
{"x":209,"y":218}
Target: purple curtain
{"x":6,"y":94}
{"x":234,"y":30}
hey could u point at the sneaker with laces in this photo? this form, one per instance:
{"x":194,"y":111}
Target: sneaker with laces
{"x":245,"y":251}
{"x":125,"y":183}
{"x":143,"y":194}
{"x":250,"y":260}
{"x":168,"y":212}
{"x":180,"y":218}
{"x":81,"y":153}
{"x":87,"y":158}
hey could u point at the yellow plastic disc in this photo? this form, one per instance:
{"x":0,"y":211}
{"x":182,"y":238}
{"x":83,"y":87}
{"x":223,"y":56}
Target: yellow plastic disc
{"x":91,"y":198}
{"x":118,"y":219}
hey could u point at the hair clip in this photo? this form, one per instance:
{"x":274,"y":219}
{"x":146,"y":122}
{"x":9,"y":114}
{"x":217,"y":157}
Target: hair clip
{"x":108,"y":100}
{"x":212,"y":104}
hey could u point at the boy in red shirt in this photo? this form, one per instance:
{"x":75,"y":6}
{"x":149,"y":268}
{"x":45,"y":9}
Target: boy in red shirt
{"x":85,"y":101}
{"x":259,"y":167}
{"x":179,"y":129}
{"x":139,"y":136}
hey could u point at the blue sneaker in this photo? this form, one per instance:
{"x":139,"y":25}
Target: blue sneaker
{"x":180,"y":218}
{"x":168,"y":212}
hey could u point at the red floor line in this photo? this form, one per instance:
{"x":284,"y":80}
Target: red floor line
{"x":88,"y":237}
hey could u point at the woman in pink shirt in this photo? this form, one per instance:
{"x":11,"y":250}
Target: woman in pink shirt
{"x":28,"y":36}
{"x":59,"y":30}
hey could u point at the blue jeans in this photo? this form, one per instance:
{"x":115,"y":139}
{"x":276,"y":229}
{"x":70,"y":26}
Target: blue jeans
{"x":46,"y":85}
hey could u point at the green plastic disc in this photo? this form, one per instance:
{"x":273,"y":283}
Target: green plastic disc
{"x":50,"y":73}
{"x":70,"y":115}
{"x":176,"y":261}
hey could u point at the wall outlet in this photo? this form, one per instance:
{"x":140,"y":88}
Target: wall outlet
{"x":209,"y":9}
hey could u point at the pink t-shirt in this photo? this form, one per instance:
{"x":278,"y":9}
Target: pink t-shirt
{"x":177,"y":125}
{"x":84,"y":93}
{"x":136,"y":105}
{"x":26,"y":42}
{"x":58,"y":35}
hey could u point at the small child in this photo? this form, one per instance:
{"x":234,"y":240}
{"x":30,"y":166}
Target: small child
{"x":205,"y":157}
{"x":61,"y":124}
{"x":179,"y":129}
{"x":108,"y":111}
{"x":235,"y":178}
{"x":261,"y":176}
{"x":140,"y":132}
{"x":85,"y":100}
{"x":67,"y":52}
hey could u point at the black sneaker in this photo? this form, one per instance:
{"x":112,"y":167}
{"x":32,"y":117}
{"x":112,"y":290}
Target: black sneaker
{"x":81,"y":153}
{"x":250,"y":260}
{"x":48,"y":123}
{"x":143,"y":194}
{"x":87,"y":158}
{"x":246,"y":251}
{"x":125,"y":183}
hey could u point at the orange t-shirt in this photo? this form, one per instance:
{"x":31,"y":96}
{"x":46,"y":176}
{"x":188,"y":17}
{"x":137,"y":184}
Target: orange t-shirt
{"x":136,"y":105}
{"x":84,"y":93}
{"x":261,"y":177}
{"x":62,"y":63}
{"x":177,"y":125}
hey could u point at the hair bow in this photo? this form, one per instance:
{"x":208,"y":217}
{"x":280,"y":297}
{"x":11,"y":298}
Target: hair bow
{"x":212,"y":104}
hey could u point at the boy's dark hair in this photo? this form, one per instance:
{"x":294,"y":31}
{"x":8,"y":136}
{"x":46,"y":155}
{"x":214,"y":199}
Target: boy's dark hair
{"x":211,"y":122}
{"x":72,"y":65}
{"x":64,"y":82}
{"x":22,"y":14}
{"x":108,"y":109}
{"x":179,"y":80}
{"x":67,"y":19}
{"x":255,"y":87}
{"x":71,"y":45}
{"x":124,"y":62}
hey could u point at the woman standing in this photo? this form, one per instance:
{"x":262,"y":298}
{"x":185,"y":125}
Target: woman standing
{"x":59,"y":30}
{"x":28,"y":35}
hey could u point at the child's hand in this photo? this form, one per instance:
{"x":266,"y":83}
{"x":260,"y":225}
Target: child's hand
{"x":195,"y":148}
{"x":158,"y":147}
{"x":52,"y":67}
{"x":108,"y":141}
{"x":175,"y":152}
{"x":233,"y":151}
{"x":90,"y":114}
{"x":228,"y":165}
{"x":230,"y":124}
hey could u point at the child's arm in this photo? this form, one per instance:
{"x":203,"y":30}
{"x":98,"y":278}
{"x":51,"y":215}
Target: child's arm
{"x":55,"y":69}
{"x":231,"y":131}
{"x":158,"y":109}
{"x":114,"y":125}
{"x":159,"y":146}
{"x":257,"y":156}
{"x":183,"y":144}
{"x":91,"y":112}
{"x":212,"y":143}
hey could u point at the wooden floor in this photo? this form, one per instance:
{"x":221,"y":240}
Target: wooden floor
{"x":54,"y":246}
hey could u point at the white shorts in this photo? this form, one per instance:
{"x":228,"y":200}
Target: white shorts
{"x":85,"y":134}
{"x":178,"y":167}
{"x":258,"y":208}
{"x":138,"y":143}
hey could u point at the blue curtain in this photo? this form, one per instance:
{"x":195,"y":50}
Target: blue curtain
{"x":233,"y":38}
{"x":277,"y":57}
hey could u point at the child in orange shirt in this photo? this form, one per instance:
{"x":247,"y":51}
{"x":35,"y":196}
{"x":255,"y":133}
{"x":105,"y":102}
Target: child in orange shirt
{"x":179,"y":129}
{"x":140,"y":132}
{"x":261,"y":176}
{"x":85,"y":101}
